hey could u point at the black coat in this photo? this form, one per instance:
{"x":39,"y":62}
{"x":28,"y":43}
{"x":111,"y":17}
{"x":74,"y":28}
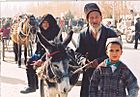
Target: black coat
{"x":95,"y":50}
{"x":49,"y":34}
{"x":137,"y":27}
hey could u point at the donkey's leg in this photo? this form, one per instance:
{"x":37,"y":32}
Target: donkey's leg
{"x":63,"y":95}
{"x":15,"y":48}
{"x":19,"y":55}
{"x":25,"y":54}
{"x":52,"y":92}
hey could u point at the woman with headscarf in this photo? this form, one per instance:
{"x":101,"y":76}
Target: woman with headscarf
{"x":49,"y":29}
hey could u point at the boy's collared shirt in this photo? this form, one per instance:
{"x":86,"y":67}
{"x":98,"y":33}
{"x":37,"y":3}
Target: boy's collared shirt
{"x":113,"y":66}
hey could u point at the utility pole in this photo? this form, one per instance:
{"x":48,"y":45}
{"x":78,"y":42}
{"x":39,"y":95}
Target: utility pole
{"x":113,"y":13}
{"x":132,"y":15}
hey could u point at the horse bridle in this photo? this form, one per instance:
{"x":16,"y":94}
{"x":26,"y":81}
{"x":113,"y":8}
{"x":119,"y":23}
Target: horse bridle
{"x":25,"y":35}
{"x":57,"y":76}
{"x":77,"y":68}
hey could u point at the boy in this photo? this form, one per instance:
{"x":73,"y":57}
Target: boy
{"x":112,"y":77}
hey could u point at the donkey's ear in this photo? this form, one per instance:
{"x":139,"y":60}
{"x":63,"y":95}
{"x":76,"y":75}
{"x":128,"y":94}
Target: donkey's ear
{"x":58,"y":39}
{"x":44,"y":42}
{"x":68,"y":38}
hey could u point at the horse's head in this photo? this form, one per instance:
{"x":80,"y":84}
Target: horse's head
{"x":33,"y":24}
{"x":58,"y":61}
{"x":32,"y":20}
{"x":29,"y":24}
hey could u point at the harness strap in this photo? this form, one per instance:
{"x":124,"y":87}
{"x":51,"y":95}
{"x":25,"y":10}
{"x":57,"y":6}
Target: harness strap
{"x":53,"y":53}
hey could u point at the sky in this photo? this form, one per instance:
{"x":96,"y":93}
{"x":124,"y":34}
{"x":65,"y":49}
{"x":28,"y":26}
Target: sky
{"x":13,"y":8}
{"x":18,"y":7}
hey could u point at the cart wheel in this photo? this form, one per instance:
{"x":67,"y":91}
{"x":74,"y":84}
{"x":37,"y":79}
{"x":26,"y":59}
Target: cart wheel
{"x":129,"y":38}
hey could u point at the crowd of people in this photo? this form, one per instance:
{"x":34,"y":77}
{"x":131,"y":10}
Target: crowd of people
{"x":107,"y":76}
{"x":5,"y":27}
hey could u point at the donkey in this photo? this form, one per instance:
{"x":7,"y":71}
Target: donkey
{"x":58,"y":68}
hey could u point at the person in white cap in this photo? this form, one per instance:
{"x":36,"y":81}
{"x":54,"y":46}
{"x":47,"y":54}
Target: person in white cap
{"x":91,"y":42}
{"x":112,"y":77}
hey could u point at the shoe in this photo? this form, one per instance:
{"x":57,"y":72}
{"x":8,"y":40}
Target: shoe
{"x":37,"y":87}
{"x":28,"y":90}
{"x":19,"y":66}
{"x":135,"y":47}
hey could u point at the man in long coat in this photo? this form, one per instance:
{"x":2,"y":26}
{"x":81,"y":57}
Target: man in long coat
{"x":91,"y":42}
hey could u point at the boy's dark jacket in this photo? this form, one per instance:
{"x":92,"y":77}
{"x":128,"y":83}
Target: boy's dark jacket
{"x":105,"y":83}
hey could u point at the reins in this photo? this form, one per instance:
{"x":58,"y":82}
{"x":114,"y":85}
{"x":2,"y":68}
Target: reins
{"x":26,"y":35}
{"x":81,"y":68}
{"x":56,"y":52}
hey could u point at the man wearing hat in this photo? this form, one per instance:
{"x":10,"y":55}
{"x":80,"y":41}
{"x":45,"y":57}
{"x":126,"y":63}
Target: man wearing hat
{"x":137,"y":33}
{"x":91,"y":43}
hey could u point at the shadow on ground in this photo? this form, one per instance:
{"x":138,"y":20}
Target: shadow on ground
{"x":9,"y":80}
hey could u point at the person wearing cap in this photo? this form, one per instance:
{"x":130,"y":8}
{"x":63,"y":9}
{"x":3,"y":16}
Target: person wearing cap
{"x":112,"y":78}
{"x":49,"y":29}
{"x":137,"y":33}
{"x":91,"y":43}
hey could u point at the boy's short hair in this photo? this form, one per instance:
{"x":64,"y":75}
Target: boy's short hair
{"x":114,"y":40}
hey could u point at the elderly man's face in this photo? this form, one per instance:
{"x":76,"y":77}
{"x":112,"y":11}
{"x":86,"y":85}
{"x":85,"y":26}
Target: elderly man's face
{"x":94,"y":19}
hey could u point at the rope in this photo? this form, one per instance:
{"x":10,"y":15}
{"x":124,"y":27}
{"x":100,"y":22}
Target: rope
{"x":81,"y":68}
{"x":26,"y":35}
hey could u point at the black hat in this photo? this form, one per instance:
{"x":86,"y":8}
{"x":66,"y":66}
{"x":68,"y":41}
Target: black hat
{"x":91,"y":7}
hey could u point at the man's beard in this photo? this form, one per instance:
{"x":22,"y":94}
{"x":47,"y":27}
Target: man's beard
{"x":95,"y":29}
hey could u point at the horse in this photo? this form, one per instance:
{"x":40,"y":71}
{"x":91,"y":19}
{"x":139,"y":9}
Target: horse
{"x":23,"y":37}
{"x":57,"y":77}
